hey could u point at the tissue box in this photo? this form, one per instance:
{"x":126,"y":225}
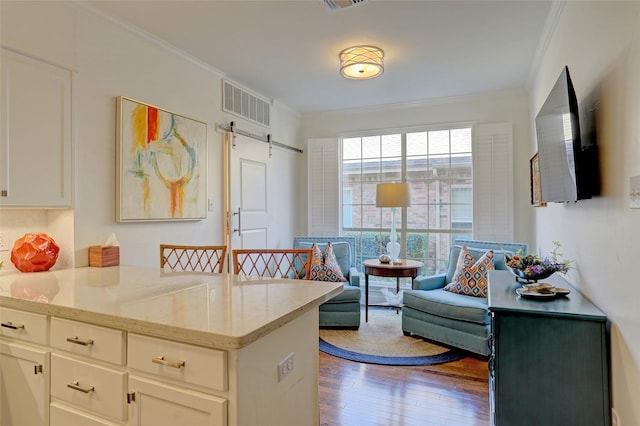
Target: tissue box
{"x":102,"y":256}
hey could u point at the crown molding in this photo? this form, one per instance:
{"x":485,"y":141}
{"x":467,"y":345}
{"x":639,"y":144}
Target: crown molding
{"x":421,"y":103}
{"x":545,"y":39}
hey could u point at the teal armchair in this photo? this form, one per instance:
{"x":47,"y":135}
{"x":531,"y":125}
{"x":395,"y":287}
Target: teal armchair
{"x":452,"y":319}
{"x":342,"y":311}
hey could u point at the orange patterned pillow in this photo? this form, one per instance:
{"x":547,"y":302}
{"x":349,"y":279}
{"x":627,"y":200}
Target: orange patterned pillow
{"x":470,"y":277}
{"x":325,"y":267}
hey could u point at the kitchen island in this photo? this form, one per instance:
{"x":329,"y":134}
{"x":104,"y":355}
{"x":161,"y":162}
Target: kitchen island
{"x":134,"y":346}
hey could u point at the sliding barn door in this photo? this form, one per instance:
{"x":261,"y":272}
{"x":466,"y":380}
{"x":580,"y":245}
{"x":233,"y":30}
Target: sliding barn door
{"x":248,"y":183}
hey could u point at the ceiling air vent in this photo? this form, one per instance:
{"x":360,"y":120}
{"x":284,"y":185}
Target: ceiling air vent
{"x":243,"y":103}
{"x":341,"y":4}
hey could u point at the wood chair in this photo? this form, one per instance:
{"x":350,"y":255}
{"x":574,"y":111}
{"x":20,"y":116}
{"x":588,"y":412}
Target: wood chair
{"x":272,"y":263}
{"x":192,"y":258}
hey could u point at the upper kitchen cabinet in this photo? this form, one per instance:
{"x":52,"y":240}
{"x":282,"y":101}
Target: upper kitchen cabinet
{"x":35,"y":140}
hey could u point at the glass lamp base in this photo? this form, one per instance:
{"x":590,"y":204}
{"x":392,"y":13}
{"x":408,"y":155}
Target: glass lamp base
{"x":394,"y":250}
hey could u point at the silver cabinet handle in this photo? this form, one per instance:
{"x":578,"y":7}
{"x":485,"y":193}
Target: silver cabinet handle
{"x":160,"y":360}
{"x":78,"y":341}
{"x":12,"y":326}
{"x":84,"y":389}
{"x":239,"y":228}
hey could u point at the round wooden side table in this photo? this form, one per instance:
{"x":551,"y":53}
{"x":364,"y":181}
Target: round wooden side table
{"x":403,"y":269}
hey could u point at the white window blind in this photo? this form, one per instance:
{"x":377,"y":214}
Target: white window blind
{"x":493,"y":182}
{"x":323,"y":206}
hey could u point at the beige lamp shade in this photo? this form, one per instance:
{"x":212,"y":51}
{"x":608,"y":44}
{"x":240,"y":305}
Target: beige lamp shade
{"x":393,"y":195}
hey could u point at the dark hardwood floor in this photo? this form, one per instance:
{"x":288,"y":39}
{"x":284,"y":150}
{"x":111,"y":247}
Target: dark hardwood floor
{"x":356,"y":394}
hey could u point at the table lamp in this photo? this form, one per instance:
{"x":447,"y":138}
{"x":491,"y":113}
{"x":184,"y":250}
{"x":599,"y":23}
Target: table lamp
{"x":393,"y":195}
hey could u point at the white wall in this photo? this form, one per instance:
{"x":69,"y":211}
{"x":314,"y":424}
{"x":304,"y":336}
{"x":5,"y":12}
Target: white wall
{"x":496,"y":107}
{"x":110,"y":60}
{"x":600,"y":42}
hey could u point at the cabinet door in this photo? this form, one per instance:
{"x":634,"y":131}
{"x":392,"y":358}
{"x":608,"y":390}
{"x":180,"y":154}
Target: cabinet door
{"x":24,"y":385}
{"x":157,"y":403}
{"x":35,"y":140}
{"x":89,"y":386}
{"x":557,"y":364}
{"x":62,"y":415}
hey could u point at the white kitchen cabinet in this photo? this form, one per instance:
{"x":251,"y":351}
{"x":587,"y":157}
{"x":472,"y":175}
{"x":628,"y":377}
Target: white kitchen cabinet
{"x":100,"y":390}
{"x":35,"y":139}
{"x":178,"y":361}
{"x":95,"y":342}
{"x":62,"y":415}
{"x":88,"y":374}
{"x":25,"y":326}
{"x":111,"y":365}
{"x":157,"y":403}
{"x":24,"y":385}
{"x":164,"y":399}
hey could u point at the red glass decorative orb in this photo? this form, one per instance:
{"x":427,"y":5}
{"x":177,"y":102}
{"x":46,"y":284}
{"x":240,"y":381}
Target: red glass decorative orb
{"x":34,"y":253}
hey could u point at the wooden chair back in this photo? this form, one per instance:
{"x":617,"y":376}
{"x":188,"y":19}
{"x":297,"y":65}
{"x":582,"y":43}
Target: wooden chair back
{"x":272,"y":263}
{"x":192,"y":258}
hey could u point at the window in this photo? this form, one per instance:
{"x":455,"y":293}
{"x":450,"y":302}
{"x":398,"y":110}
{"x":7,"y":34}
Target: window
{"x":346,"y":208}
{"x":445,"y":170}
{"x":437,"y":163}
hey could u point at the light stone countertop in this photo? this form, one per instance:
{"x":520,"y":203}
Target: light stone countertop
{"x":212,"y":310}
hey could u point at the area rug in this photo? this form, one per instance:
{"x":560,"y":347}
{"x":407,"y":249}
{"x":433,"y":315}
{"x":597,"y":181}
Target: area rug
{"x":380,"y":341}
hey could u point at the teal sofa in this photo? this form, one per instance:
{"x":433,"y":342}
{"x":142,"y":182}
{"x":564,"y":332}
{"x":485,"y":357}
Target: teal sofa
{"x":342,"y":311}
{"x":455,"y":320}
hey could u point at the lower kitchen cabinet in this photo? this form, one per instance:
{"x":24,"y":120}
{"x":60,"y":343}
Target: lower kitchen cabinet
{"x":84,"y":384}
{"x":81,"y":362}
{"x":62,"y":415}
{"x":24,"y":385}
{"x":165,"y":404}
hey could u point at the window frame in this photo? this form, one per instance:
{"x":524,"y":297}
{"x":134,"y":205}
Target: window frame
{"x":401,"y":214}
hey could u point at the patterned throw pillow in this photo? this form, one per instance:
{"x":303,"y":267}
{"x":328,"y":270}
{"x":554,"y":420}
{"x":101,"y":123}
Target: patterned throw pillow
{"x":470,"y":277}
{"x":325,"y":267}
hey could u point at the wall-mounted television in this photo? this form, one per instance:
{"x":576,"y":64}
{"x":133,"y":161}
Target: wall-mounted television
{"x":568,"y":165}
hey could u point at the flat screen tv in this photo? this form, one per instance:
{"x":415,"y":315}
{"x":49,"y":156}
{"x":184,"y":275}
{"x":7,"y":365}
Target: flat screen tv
{"x":568,"y":167}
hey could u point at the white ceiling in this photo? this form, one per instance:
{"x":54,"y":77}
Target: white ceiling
{"x":288,"y":50}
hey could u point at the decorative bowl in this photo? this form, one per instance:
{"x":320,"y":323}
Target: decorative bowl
{"x":527,"y":278}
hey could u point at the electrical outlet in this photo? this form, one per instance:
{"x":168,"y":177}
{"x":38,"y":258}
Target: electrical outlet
{"x":4,"y":243}
{"x":615,"y":420}
{"x":285,"y":367}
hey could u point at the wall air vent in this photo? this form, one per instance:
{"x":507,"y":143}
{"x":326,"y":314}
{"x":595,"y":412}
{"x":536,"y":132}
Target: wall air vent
{"x":243,"y":103}
{"x":341,"y":4}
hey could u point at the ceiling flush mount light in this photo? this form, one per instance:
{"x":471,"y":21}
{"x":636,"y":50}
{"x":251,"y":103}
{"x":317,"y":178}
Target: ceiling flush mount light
{"x":361,"y":62}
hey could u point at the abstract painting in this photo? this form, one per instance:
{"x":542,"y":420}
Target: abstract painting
{"x":162,"y":164}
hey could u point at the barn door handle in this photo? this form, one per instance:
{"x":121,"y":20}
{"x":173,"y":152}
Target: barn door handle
{"x":239,"y":228}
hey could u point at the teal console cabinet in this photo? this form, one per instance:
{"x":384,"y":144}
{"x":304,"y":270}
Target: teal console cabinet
{"x":549,"y":358}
